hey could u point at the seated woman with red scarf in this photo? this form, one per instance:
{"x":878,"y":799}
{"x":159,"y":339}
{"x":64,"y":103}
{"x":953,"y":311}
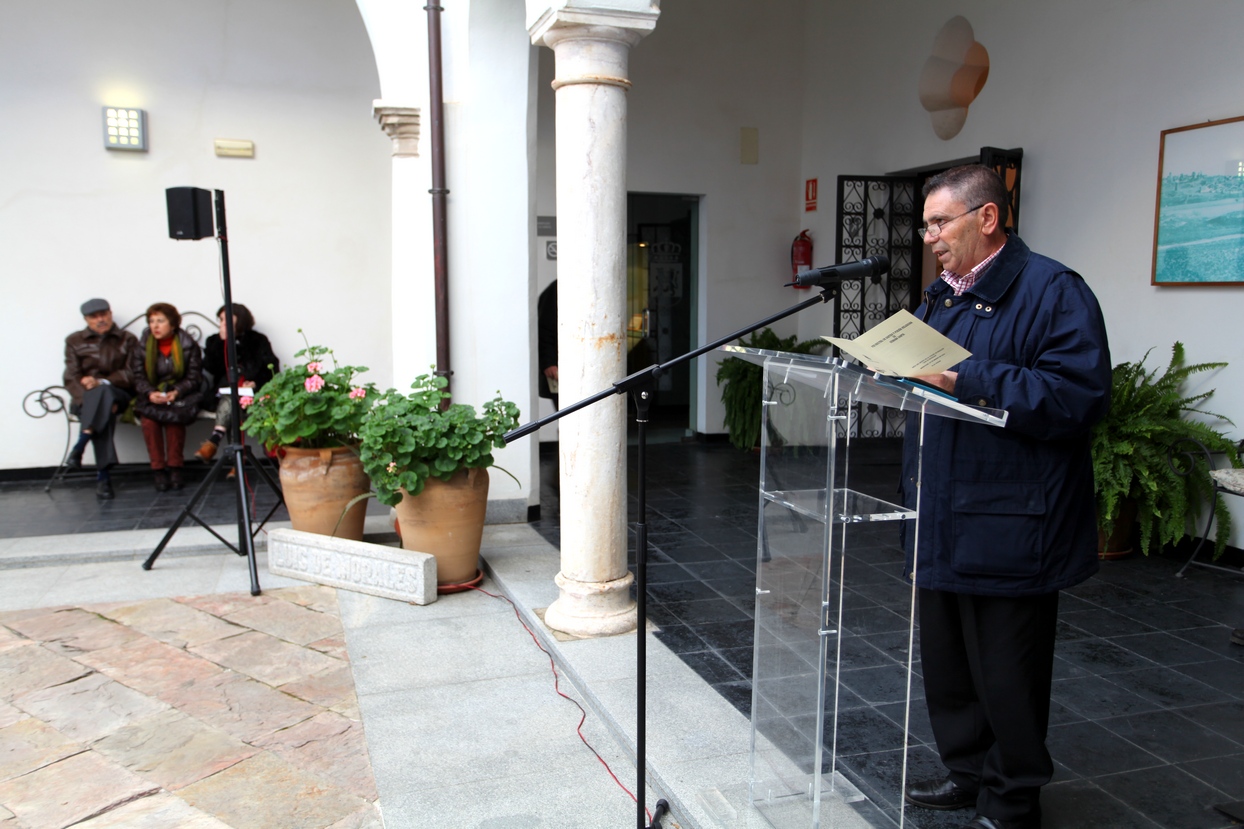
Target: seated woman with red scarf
{"x":167,"y":368}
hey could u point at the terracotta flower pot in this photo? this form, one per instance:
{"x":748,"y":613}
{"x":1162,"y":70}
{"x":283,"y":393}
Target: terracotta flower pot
{"x":447,"y":520}
{"x":318,"y":483}
{"x":1118,"y":542}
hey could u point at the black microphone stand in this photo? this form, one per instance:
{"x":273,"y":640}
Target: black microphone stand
{"x":236,"y":454}
{"x":640,"y":386}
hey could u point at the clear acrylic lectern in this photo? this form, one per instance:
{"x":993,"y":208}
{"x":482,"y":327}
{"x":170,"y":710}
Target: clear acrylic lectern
{"x":811,"y":521}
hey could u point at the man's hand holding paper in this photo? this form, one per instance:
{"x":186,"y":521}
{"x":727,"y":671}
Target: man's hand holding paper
{"x":903,"y":346}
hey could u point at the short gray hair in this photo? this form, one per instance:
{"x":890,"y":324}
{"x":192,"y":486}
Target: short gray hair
{"x":975,"y":185}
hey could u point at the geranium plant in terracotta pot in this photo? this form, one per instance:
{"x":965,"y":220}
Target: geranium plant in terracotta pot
{"x":431,"y":464}
{"x":310,"y":413}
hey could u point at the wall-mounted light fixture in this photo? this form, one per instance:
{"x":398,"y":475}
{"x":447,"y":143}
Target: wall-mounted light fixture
{"x":125,"y":129}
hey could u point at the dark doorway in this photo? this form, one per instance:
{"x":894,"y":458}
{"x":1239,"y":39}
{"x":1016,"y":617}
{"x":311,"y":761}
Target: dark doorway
{"x":661,"y":294}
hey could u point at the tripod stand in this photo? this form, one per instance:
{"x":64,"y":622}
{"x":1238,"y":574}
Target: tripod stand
{"x":641,"y":385}
{"x":235,"y":454}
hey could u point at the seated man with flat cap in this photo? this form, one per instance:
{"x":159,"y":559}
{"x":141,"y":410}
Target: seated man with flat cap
{"x":98,"y":379}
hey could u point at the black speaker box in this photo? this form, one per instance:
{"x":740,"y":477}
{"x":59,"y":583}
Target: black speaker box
{"x":189,"y":213}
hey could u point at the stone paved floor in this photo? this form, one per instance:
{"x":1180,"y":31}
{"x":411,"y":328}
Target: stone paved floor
{"x":228,"y":710}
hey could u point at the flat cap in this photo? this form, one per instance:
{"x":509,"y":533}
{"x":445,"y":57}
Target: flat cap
{"x":94,"y":306}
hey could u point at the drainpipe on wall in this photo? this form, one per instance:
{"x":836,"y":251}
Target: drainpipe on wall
{"x":440,"y":193}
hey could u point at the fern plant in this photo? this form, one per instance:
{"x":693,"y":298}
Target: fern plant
{"x":1131,"y":451}
{"x":743,"y":380}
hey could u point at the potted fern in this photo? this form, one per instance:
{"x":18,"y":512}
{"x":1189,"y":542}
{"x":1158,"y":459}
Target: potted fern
{"x":743,"y":394}
{"x":1131,"y":456}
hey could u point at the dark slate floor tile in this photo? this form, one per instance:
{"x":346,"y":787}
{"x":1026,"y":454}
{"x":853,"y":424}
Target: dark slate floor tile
{"x":720,"y":570}
{"x":897,"y":645}
{"x":1094,"y":697}
{"x":742,"y":658}
{"x":1215,"y":639}
{"x":853,"y":652}
{"x":711,"y":667}
{"x":727,"y":633}
{"x":1102,"y":622}
{"x":865,"y":620}
{"x":691,"y":590}
{"x":742,"y":588}
{"x":739,"y":694}
{"x":863,"y":730}
{"x":1167,"y":687}
{"x":1168,"y":617}
{"x":916,"y":719}
{"x":884,"y":684}
{"x":1101,"y":656}
{"x":1091,"y":750}
{"x":1227,"y":675}
{"x":1173,"y":738}
{"x":680,"y":639}
{"x":1165,"y":649}
{"x":1076,"y":803}
{"x":1226,"y":774}
{"x":689,"y":552}
{"x":706,"y":611}
{"x":1169,"y":796}
{"x":1225,"y":718}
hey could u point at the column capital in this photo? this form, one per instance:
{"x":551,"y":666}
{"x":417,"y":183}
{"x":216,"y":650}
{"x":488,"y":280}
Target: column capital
{"x":402,"y":125}
{"x":629,"y":20}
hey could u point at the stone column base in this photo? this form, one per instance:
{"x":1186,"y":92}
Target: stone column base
{"x":593,"y":608}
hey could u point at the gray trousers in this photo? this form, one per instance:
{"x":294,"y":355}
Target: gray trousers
{"x":97,"y":415}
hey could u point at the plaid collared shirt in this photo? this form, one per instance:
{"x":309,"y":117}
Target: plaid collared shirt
{"x":962,"y":283}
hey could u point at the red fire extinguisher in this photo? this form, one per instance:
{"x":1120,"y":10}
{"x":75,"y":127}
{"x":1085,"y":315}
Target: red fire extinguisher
{"x":801,"y":255}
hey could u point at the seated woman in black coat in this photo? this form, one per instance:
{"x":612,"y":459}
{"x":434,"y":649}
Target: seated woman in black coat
{"x":256,"y":364}
{"x":167,"y":371}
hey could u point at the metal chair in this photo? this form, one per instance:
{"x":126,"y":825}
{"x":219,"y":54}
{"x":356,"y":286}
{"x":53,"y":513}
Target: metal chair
{"x":1185,"y":455}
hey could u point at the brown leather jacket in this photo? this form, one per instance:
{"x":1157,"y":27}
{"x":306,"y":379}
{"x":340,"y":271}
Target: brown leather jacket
{"x":105,"y":356}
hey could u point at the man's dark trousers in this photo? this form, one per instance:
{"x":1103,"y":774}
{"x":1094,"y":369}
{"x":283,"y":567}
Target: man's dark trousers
{"x":988,"y":662}
{"x":97,"y":416}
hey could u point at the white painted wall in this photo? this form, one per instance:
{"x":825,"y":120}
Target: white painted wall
{"x":1085,"y":90}
{"x":491,"y":159}
{"x":308,"y":217}
{"x":710,"y":68}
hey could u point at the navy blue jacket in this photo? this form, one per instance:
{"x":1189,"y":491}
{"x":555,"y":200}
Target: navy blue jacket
{"x":1010,"y":511}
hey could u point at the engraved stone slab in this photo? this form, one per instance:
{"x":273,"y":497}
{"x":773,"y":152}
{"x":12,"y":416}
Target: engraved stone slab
{"x":404,"y":575}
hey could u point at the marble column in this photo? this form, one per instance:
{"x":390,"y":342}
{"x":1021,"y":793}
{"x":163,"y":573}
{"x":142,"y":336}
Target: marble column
{"x":592,"y":45}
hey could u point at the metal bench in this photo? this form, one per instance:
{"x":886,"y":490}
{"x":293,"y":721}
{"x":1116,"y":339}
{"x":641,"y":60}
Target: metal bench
{"x":55,"y":400}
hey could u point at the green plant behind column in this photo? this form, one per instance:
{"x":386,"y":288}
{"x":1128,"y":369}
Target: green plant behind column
{"x":744,"y":393}
{"x":1131,"y":450}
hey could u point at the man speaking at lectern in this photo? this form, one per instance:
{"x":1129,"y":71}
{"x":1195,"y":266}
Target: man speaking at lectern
{"x":1007,"y":514}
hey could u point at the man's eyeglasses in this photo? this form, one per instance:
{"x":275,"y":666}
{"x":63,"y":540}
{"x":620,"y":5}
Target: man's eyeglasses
{"x":934,"y":229}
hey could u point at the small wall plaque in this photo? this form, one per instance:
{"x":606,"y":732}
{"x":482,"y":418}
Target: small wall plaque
{"x":232,"y":148}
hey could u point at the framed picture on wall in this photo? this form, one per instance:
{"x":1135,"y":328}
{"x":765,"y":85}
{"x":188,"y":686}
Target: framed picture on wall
{"x":1198,"y":232}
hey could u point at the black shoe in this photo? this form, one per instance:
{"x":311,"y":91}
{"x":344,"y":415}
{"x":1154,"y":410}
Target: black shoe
{"x":74,"y":461}
{"x":174,"y":478}
{"x":103,"y":490}
{"x":160,"y":479}
{"x":939,"y":794}
{"x":1032,"y":821}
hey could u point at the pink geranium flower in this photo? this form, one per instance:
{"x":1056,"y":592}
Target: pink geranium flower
{"x":245,"y":401}
{"x":358,"y":394}
{"x":314,"y":383}
{"x":315,"y":368}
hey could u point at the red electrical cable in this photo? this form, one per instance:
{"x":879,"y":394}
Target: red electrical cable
{"x":558,"y":690}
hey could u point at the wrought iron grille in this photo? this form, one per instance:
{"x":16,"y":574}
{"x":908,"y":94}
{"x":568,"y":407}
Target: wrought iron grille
{"x":876,"y":215}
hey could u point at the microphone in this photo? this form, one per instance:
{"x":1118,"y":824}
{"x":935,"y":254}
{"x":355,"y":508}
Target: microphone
{"x":873,"y":266}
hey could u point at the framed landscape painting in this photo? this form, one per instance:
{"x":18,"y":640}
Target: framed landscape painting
{"x":1198,"y":234}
